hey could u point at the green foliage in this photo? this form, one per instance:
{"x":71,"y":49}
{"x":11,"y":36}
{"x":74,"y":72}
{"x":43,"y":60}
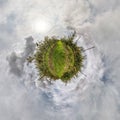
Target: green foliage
{"x":58,"y":58}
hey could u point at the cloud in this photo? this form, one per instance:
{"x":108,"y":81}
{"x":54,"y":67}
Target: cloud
{"x":95,"y":97}
{"x":16,"y":62}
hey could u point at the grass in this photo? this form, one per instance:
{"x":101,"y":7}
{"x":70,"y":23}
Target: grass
{"x":58,"y":58}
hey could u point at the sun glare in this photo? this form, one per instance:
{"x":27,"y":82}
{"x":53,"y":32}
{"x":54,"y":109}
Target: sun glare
{"x":41,"y":26}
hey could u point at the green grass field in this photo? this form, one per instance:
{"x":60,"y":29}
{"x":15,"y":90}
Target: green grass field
{"x":58,"y":58}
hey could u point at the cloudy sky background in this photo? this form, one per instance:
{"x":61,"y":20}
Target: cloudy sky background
{"x":92,"y":97}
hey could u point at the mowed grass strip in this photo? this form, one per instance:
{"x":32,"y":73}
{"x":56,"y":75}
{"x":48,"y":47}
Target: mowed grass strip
{"x":58,"y":59}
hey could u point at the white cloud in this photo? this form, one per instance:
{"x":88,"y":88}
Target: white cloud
{"x":95,"y":97}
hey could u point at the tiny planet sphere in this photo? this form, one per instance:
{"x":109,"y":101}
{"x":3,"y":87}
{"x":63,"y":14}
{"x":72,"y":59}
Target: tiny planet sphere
{"x":58,"y":58}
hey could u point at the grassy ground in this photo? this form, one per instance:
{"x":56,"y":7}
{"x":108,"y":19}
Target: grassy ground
{"x":58,"y":58}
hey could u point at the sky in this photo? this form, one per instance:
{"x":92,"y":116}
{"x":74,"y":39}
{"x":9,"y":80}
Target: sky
{"x":94,"y":94}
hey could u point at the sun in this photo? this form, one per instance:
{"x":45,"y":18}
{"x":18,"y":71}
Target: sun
{"x":40,"y":26}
